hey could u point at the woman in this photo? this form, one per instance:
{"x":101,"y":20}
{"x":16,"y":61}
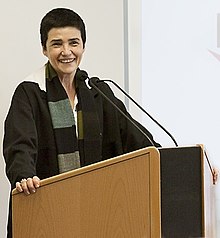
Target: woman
{"x":55,"y":122}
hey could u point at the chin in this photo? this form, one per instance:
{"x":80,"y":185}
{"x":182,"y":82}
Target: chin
{"x":70,"y":70}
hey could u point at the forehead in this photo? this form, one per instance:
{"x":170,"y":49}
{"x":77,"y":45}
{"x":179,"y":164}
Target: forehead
{"x":64,"y":33}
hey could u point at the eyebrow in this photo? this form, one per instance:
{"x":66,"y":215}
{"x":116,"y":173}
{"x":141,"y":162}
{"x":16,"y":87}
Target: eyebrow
{"x":74,"y":39}
{"x":59,"y":40}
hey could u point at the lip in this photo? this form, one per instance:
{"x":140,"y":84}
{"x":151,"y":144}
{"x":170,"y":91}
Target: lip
{"x":66,"y":61}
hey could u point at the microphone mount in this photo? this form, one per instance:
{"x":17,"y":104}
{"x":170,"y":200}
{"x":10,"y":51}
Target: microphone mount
{"x":92,"y":82}
{"x":141,"y":108}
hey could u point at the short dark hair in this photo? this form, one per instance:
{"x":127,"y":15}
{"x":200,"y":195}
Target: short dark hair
{"x":61,"y":17}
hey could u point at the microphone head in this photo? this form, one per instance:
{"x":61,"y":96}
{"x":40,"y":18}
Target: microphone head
{"x":93,"y":80}
{"x":81,"y":75}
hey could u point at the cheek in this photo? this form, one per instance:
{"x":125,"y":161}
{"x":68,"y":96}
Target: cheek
{"x":79,"y":53}
{"x":52,"y":56}
{"x":52,"y":53}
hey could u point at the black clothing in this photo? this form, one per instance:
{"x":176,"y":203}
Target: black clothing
{"x":29,"y":143}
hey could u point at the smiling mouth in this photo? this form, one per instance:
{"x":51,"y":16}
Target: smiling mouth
{"x":66,"y":61}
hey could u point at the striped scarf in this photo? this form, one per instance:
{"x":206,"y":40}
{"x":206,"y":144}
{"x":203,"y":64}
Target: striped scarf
{"x":73,"y":152}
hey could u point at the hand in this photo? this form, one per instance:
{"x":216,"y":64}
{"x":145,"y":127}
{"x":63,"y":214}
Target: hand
{"x":28,"y":186}
{"x":215,"y":174}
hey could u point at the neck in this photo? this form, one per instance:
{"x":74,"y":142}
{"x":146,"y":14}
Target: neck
{"x":68,"y":83}
{"x":66,"y":80}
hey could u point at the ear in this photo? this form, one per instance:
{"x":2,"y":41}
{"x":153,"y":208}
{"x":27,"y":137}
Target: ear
{"x":44,"y":50}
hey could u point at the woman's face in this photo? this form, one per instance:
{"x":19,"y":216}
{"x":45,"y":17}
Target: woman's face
{"x":64,"y":50}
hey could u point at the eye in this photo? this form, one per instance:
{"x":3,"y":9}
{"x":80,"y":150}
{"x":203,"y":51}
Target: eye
{"x":57,"y":44}
{"x":73,"y":42}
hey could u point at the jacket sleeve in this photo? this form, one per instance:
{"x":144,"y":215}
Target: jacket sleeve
{"x":20,"y":138}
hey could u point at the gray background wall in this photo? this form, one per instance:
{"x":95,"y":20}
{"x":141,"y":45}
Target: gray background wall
{"x":158,"y":50}
{"x":181,"y":74}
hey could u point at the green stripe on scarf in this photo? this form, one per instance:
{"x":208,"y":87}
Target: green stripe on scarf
{"x":60,"y":118}
{"x":80,"y":124}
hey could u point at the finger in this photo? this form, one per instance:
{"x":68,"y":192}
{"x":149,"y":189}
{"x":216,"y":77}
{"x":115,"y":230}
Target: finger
{"x":24,"y":186}
{"x":215,"y":176}
{"x":18,"y":187}
{"x":36,"y":182}
{"x":30,"y":185}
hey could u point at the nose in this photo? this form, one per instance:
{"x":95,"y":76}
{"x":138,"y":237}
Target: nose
{"x":66,"y":50}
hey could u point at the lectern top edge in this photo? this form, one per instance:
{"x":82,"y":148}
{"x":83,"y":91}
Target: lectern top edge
{"x":95,"y":166}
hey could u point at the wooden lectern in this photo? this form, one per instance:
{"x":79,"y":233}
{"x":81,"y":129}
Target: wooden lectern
{"x":116,"y":198}
{"x":148,"y":193}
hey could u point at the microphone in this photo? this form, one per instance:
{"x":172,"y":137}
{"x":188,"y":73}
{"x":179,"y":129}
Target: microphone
{"x":81,"y":75}
{"x":142,"y":109}
{"x":93,"y":83}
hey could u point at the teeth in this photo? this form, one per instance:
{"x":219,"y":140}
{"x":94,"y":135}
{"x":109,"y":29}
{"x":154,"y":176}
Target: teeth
{"x":66,"y":60}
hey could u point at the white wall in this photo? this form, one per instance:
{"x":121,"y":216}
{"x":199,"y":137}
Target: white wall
{"x":21,"y":52}
{"x":180,"y":77}
{"x":134,"y":55}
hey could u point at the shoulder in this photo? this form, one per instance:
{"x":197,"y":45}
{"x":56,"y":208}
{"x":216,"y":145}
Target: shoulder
{"x":105,"y":88}
{"x":33,"y":86}
{"x":37,"y":77}
{"x":34,"y":81}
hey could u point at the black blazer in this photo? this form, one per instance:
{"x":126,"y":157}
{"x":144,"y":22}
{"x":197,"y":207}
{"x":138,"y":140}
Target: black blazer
{"x":29,"y":146}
